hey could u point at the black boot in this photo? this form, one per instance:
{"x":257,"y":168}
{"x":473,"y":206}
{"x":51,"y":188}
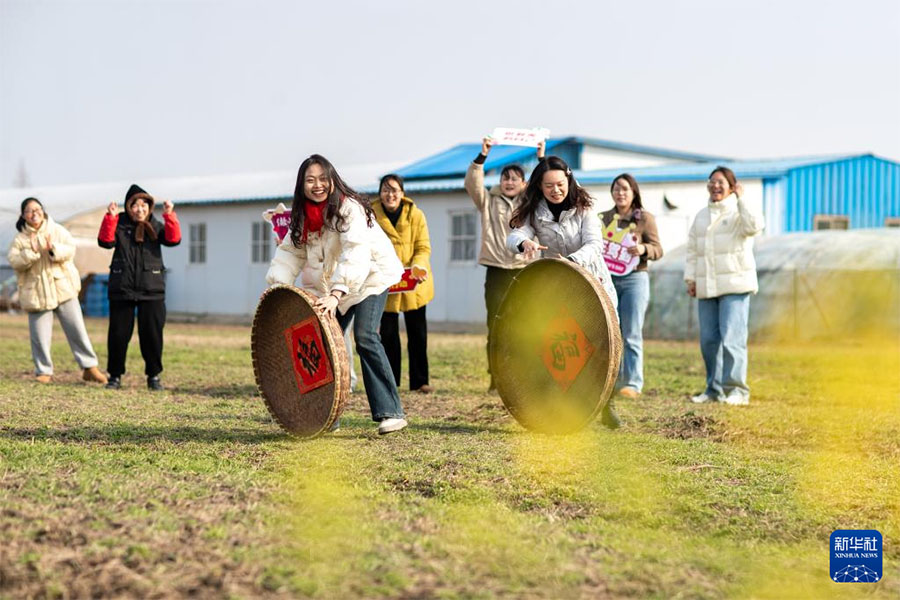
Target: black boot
{"x":608,"y":416}
{"x":114,"y":382}
{"x":154,"y":383}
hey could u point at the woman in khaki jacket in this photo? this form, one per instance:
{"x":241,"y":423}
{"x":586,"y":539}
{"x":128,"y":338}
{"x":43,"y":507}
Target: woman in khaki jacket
{"x":496,"y":206}
{"x":405,"y":226}
{"x":48,"y":282}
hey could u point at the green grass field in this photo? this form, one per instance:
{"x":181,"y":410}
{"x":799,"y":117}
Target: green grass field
{"x":195,"y":491}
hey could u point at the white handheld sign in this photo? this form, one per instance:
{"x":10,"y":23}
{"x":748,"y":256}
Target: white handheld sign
{"x":510,"y":136}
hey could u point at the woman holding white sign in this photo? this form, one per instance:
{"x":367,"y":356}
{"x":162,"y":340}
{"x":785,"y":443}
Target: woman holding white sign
{"x":720,"y":272}
{"x":404,"y":224}
{"x":496,"y":206}
{"x":630,"y":241}
{"x":347,"y":261}
{"x":560,"y":214}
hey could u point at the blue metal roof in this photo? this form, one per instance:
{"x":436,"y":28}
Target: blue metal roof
{"x":230,"y":200}
{"x":744,"y":169}
{"x":456,"y":160}
{"x":641,"y":149}
{"x":862,"y":186}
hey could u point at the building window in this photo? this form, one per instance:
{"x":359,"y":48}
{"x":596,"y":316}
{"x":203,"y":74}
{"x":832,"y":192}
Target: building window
{"x":463,"y":237}
{"x":831,"y":222}
{"x":197,"y":241}
{"x":261,"y":242}
{"x":892,"y":222}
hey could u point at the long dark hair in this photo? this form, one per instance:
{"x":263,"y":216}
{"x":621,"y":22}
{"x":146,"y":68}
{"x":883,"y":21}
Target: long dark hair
{"x":20,"y":224}
{"x":333,"y":218}
{"x":577,"y":196}
{"x":632,"y":182}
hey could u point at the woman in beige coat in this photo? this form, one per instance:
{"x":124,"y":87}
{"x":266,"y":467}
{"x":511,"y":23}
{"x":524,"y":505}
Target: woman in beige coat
{"x":48,"y":282}
{"x":405,"y":225}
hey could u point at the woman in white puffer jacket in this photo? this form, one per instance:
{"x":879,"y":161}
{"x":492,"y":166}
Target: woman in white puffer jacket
{"x":345,"y":259}
{"x":720,"y":272}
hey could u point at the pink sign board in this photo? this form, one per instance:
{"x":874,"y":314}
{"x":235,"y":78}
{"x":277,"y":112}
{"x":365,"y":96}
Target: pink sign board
{"x":281,"y":224}
{"x":615,"y":253}
{"x":280,"y":219}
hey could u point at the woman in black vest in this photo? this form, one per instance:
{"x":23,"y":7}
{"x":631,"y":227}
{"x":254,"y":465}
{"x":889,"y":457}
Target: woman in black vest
{"x":136,"y":281}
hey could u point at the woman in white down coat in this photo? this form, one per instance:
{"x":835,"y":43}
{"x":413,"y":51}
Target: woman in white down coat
{"x":560,"y":213}
{"x":346,"y":260}
{"x":720,"y":272}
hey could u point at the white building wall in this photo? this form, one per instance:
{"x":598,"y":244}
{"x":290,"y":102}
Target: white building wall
{"x":458,"y":285}
{"x":228,"y":283}
{"x":602,"y":158}
{"x":687,"y":197}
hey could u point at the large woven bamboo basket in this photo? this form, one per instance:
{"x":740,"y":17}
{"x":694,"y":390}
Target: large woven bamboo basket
{"x":556,"y":347}
{"x":299,"y":360}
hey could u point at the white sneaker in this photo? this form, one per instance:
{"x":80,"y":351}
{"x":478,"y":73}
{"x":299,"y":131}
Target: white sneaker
{"x":701,"y":398}
{"x":391,"y":425}
{"x":737,"y":399}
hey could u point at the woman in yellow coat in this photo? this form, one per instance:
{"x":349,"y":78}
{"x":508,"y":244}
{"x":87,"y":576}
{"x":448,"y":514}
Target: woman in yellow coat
{"x":405,"y":226}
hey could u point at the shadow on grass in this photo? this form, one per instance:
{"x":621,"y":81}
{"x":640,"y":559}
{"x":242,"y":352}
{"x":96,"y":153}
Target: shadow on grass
{"x":265,"y":419}
{"x":143,"y":434}
{"x":461,"y":428}
{"x":219,"y":391}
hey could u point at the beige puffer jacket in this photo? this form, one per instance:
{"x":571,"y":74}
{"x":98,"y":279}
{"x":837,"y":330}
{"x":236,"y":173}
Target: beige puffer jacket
{"x":720,"y":249}
{"x":496,"y":211}
{"x":45,"y":279}
{"x":360,"y":261}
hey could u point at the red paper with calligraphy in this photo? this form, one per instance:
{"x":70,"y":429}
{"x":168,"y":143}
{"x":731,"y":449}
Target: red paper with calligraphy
{"x":406,"y":283}
{"x":312,"y":368}
{"x":565,"y":349}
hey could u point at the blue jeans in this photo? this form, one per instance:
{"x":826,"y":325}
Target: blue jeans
{"x":381,"y":391}
{"x":723,"y":343}
{"x":634,"y":296}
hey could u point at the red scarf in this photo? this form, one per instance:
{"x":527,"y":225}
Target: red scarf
{"x":313,"y":217}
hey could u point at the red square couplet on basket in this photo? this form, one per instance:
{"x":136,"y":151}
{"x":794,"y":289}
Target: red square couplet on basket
{"x":312,"y":368}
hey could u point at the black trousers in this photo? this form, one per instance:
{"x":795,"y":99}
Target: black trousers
{"x":151,"y":317}
{"x":496,"y":282}
{"x":417,"y":345}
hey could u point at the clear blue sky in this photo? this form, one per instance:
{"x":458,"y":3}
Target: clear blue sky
{"x":96,"y":90}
